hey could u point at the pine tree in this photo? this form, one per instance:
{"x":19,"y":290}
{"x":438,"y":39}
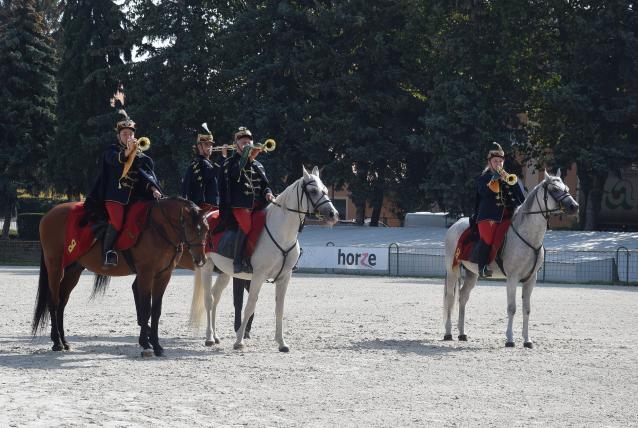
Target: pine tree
{"x":94,"y":49}
{"x":28,"y":100}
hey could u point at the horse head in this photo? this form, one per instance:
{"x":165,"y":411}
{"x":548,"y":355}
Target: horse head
{"x":192,"y":227}
{"x":561,"y":200}
{"x":317,"y":201}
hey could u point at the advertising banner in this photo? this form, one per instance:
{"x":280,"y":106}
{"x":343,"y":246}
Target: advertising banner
{"x":359,"y":258}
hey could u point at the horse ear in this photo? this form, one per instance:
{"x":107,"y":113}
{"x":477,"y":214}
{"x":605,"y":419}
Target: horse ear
{"x":558,"y":173}
{"x":315,"y":171}
{"x":305,"y":172}
{"x":548,"y":174}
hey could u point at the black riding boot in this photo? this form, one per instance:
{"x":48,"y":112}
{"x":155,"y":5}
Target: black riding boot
{"x":480,"y":256}
{"x":109,"y":254}
{"x":239,"y":265}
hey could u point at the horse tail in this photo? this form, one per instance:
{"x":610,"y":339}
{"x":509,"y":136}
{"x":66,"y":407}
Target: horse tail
{"x":450,"y":304}
{"x":100,"y":285}
{"x":197,"y":303}
{"x":41,"y":313}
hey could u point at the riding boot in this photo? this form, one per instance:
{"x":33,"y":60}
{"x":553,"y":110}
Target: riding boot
{"x":480,"y":255}
{"x":238,"y":253}
{"x":108,"y":241}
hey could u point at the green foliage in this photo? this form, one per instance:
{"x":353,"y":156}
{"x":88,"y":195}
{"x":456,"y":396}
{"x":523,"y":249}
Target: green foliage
{"x":28,"y":226}
{"x":93,"y":49}
{"x":36,"y":205}
{"x":27,"y":96}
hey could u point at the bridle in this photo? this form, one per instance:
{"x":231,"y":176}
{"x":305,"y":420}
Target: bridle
{"x":546,"y":213}
{"x":181,"y":232}
{"x":301,"y":192}
{"x":558,"y":198}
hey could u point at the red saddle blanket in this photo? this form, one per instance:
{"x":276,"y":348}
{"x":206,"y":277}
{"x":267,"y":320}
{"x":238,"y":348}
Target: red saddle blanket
{"x":79,"y":239}
{"x":259,"y":221}
{"x":466,"y":243}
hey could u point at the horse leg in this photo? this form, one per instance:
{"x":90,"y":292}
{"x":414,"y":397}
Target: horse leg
{"x":511,"y":310}
{"x":211,"y":300}
{"x":159,"y":287}
{"x":70,"y":280}
{"x":464,"y":296}
{"x":255,"y":287}
{"x":449,"y":299}
{"x":280,"y":295}
{"x":528,"y":286}
{"x":144,"y":287}
{"x":55,"y":275}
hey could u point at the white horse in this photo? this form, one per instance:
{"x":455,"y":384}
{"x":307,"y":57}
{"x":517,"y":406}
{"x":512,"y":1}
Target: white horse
{"x":275,"y":255}
{"x":522,"y":255}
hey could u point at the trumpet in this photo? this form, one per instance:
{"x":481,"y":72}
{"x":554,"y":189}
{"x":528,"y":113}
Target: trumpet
{"x":510,"y":179}
{"x":269,"y":145}
{"x":142,"y":144}
{"x":220,"y":148}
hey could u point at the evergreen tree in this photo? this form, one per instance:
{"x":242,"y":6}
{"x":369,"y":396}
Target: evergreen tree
{"x":27,"y":97}
{"x":178,"y":85}
{"x":586,"y":110}
{"x":94,"y":47}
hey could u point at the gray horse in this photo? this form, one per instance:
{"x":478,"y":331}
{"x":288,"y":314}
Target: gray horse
{"x":522,"y":255}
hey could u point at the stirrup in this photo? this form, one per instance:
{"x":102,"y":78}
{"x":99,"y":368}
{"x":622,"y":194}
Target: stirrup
{"x":485,"y":272}
{"x":110,"y":258}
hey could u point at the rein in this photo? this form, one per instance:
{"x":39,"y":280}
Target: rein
{"x":546,"y":214}
{"x":302,"y":218}
{"x":162,"y":233}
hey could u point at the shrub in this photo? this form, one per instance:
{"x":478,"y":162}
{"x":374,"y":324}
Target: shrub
{"x":28,"y":226}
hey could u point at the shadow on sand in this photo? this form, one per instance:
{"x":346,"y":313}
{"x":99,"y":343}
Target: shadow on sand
{"x":411,"y":347}
{"x":19,"y":352}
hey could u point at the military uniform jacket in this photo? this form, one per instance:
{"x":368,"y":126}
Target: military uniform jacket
{"x":245,"y":188}
{"x":201,"y":181}
{"x":135,"y":186}
{"x":490,"y":205}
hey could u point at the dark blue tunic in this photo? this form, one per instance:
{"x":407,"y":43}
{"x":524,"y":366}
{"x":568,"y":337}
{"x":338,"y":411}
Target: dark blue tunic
{"x":135,"y":186}
{"x":201,"y":181}
{"x":490,"y":205}
{"x":245,"y":188}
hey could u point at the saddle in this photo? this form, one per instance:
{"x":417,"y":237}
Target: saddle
{"x":471,"y":235}
{"x":83,"y":230}
{"x":221,"y":239}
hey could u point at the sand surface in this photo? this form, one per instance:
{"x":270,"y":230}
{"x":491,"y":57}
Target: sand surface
{"x":365,"y":351}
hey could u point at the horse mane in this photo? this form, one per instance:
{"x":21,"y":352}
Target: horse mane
{"x":282,"y":198}
{"x":526,"y":206}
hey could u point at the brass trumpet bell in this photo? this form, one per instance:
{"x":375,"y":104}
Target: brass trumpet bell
{"x":143,"y":144}
{"x":269,"y":145}
{"x":510,"y":179}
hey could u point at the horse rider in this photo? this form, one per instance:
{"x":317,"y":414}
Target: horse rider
{"x":201,"y":181}
{"x":244,"y":188}
{"x":496,"y":201}
{"x":115,"y":188}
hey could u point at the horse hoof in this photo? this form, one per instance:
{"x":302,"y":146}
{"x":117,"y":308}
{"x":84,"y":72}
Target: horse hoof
{"x":147,"y":353}
{"x":238,"y":346}
{"x":247,"y":335}
{"x":217,"y":341}
{"x":528,"y":345}
{"x":67,"y":347}
{"x":210,"y":342}
{"x":447,"y":337}
{"x":284,"y":349}
{"x":57,"y":348}
{"x":463,"y":337}
{"x":159,"y":352}
{"x":509,"y":344}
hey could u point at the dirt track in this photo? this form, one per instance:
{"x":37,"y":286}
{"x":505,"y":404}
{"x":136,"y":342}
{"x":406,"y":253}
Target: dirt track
{"x":364,"y":351}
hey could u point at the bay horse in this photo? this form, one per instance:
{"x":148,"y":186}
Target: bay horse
{"x":172,"y":224}
{"x":275,"y":255}
{"x":522,"y":255}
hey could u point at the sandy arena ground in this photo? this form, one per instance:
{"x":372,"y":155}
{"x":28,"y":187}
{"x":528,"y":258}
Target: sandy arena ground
{"x":365,"y":351}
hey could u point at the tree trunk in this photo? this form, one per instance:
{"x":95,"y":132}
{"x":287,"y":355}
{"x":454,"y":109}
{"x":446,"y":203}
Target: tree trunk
{"x":7,"y":221}
{"x":377,"y":204}
{"x":594,"y":201}
{"x":361,"y":212}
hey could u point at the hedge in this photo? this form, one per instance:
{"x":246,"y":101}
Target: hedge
{"x":28,"y":226}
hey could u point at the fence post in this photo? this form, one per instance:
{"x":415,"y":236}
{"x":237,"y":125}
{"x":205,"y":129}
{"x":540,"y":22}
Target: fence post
{"x":622,"y":247}
{"x":394,"y":244}
{"x":329,"y":244}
